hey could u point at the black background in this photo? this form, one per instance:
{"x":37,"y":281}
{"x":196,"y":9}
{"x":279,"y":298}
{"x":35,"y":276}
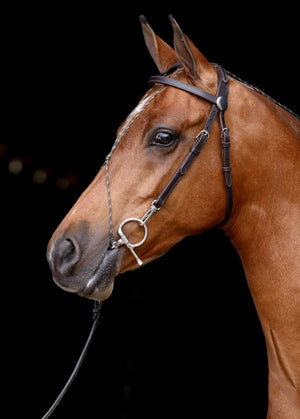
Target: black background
{"x":186,"y":341}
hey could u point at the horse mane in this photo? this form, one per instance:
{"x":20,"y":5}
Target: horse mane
{"x":257,"y":89}
{"x":250,"y":86}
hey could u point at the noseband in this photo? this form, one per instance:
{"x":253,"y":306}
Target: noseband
{"x":219,"y":105}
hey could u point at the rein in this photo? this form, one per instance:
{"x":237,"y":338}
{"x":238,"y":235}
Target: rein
{"x":96,"y":314}
{"x":219,"y":105}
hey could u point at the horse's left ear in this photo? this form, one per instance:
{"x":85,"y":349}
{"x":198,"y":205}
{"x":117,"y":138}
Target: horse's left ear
{"x":192,"y":59}
{"x":163,"y":55}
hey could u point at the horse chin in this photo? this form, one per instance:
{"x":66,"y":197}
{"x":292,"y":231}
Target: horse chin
{"x":101,"y":284}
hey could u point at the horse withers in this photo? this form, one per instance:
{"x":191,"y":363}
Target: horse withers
{"x":156,"y":187}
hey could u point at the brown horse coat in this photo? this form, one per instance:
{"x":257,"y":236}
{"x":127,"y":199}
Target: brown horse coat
{"x":265,"y":222}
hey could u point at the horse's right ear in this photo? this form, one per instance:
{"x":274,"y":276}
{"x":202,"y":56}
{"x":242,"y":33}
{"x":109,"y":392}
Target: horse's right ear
{"x":163,"y":55}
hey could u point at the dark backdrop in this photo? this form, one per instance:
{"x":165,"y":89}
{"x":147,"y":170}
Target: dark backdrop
{"x":168,"y":343}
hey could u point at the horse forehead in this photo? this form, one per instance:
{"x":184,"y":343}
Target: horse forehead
{"x":170,"y":105}
{"x":141,"y":106}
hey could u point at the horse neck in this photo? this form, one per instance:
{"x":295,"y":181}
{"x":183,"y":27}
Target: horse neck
{"x":266,"y":220}
{"x":265,"y":154}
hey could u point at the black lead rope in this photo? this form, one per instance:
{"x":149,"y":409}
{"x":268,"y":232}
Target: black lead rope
{"x":96,"y":314}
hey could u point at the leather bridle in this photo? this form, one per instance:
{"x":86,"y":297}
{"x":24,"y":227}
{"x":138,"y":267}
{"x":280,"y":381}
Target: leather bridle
{"x":219,"y":105}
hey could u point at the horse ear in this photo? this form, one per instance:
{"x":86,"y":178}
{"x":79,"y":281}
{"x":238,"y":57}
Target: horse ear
{"x":192,"y":59}
{"x":163,"y":55}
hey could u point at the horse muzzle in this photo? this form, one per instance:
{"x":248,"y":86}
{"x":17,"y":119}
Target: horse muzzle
{"x":82,"y":263}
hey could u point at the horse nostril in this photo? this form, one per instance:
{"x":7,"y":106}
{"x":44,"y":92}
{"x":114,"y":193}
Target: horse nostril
{"x":66,"y":254}
{"x":69,"y":249}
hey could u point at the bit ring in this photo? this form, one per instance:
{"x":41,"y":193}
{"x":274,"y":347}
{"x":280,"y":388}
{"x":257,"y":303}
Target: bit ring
{"x":123,"y":236}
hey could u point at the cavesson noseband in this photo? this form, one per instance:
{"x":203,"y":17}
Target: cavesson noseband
{"x":219,"y":105}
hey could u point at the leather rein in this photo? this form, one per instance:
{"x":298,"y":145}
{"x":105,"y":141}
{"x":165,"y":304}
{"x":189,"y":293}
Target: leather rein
{"x":219,"y":105}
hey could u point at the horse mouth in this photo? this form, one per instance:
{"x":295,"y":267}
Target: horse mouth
{"x":94,"y":283}
{"x":100,"y":285}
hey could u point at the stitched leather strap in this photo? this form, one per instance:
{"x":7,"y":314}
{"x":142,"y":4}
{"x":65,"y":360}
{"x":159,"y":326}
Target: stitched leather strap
{"x":183,"y":86}
{"x":199,"y":142}
{"x":225,"y":143}
{"x":220,"y":103}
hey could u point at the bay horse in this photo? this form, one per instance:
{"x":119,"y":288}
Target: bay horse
{"x":156,"y":187}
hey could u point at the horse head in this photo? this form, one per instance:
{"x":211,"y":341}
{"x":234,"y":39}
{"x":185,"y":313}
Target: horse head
{"x":87,"y":250}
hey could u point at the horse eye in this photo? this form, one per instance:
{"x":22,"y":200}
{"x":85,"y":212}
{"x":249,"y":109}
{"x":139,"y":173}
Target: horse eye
{"x":164,"y":138}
